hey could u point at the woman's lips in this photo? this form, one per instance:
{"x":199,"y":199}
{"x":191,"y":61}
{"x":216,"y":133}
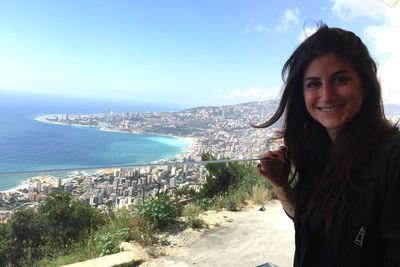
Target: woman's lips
{"x":330,"y":108}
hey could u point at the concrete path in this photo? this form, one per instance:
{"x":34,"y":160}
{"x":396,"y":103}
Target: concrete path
{"x":106,"y":261}
{"x":253,"y":238}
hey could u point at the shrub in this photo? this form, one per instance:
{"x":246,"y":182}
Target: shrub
{"x":221,"y":176}
{"x":142,"y":230}
{"x":260,"y":194}
{"x":196,"y":222}
{"x":110,"y":236}
{"x":163,"y":241}
{"x":78,"y":252}
{"x":227,"y":202}
{"x":205,"y":203}
{"x":67,"y":220}
{"x":23,"y":238}
{"x":108,"y":239}
{"x":133,"y":263}
{"x":191,"y":210}
{"x":233,"y":200}
{"x":186,"y":192}
{"x":121,"y":219}
{"x":159,"y":210}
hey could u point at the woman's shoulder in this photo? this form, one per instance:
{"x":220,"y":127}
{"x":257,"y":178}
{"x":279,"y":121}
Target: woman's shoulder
{"x":392,"y":143}
{"x":385,"y":155}
{"x":390,"y":158}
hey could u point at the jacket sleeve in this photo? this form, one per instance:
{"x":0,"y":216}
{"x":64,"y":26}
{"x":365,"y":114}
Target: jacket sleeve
{"x":390,"y":221}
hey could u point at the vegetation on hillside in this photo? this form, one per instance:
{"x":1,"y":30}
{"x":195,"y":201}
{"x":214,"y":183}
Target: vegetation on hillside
{"x":64,"y":231}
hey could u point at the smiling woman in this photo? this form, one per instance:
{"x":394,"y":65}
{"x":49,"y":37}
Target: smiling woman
{"x":94,"y":57}
{"x":344,"y":188}
{"x":333,"y":92}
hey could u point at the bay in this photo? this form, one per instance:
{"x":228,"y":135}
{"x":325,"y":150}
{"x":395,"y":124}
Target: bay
{"x":29,"y":145}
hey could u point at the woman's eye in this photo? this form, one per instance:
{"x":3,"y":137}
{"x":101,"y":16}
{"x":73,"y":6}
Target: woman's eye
{"x":340,"y":80}
{"x":312,"y":85}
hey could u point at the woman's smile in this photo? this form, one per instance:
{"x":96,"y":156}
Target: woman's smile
{"x":333,"y":92}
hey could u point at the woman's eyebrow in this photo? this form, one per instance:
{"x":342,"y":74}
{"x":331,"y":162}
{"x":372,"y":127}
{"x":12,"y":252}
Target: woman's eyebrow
{"x":339,"y":72}
{"x":312,"y":78}
{"x":331,"y":75}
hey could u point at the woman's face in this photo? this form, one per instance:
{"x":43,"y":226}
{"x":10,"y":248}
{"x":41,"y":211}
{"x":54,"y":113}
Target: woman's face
{"x":333,"y":92}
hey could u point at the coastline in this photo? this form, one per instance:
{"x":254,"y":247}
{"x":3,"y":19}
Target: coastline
{"x":22,"y":186}
{"x":42,"y":119}
{"x":26,"y":183}
{"x":193,"y":141}
{"x":192,"y":144}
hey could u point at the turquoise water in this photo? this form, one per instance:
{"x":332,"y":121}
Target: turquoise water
{"x":29,"y":145}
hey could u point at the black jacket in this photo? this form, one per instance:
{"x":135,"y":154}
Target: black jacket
{"x":366,"y":233}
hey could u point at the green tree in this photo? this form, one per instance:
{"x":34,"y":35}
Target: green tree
{"x":67,"y":220}
{"x":26,"y":231}
{"x":5,"y":243}
{"x":221,"y":176}
{"x":249,"y":178}
{"x":161,"y":211}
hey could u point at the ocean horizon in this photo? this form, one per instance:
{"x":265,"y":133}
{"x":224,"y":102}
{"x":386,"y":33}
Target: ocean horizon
{"x":29,"y":145}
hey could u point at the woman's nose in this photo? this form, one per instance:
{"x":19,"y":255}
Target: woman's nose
{"x":328,"y":92}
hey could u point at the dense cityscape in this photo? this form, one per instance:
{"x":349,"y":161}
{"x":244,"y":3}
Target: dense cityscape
{"x":224,"y":132}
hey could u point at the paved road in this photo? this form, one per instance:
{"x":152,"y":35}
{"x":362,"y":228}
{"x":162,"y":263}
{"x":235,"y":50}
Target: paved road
{"x":253,"y":238}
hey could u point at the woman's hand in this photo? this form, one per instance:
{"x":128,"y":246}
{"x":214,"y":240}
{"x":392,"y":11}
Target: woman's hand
{"x":275,"y":167}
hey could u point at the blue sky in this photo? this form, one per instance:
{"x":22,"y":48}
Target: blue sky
{"x":205,"y":52}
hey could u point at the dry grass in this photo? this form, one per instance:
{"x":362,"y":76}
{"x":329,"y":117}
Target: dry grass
{"x":260,"y":195}
{"x":191,"y":210}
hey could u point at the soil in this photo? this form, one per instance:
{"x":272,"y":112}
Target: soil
{"x":249,"y":237}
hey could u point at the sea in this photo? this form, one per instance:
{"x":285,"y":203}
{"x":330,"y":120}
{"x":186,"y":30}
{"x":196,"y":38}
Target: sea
{"x":29,"y":145}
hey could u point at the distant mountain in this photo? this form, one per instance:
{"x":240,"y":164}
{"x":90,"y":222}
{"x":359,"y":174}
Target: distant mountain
{"x":272,"y":105}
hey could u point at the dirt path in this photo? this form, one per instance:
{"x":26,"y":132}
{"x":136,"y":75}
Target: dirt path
{"x":246,"y":238}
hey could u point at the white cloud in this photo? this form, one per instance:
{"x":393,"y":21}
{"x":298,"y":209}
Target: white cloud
{"x":255,"y":93}
{"x":250,"y":25}
{"x":388,"y":72}
{"x":384,"y":39}
{"x":350,"y":9}
{"x":289,"y":19}
{"x":253,"y":27}
{"x":261,"y":28}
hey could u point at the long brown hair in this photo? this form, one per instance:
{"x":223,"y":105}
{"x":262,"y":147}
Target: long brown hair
{"x":322,"y":169}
